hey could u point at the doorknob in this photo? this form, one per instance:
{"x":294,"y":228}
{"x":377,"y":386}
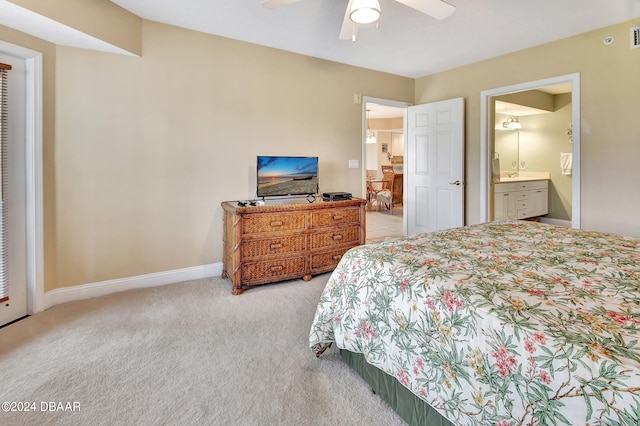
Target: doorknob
{"x":457,"y":183}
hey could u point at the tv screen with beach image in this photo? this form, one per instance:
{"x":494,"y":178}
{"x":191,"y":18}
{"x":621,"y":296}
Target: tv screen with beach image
{"x":278,"y":176}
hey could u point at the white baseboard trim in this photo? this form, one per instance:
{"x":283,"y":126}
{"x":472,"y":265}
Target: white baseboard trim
{"x":102,"y":288}
{"x":559,"y":222}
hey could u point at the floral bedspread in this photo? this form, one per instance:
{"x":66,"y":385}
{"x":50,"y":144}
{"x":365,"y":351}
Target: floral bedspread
{"x":514,"y":323}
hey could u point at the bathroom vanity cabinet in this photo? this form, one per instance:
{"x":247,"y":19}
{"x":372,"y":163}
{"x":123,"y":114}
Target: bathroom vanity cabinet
{"x":520,"y":200}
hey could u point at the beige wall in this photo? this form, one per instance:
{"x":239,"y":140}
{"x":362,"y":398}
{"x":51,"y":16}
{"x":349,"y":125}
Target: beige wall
{"x":384,"y":128}
{"x":101,"y":19}
{"x":542,"y":139}
{"x":140,"y":151}
{"x":147,"y":148}
{"x":609,"y":113}
{"x":386,"y":123}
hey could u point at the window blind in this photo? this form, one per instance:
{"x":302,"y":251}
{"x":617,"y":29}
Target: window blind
{"x":4,"y":276}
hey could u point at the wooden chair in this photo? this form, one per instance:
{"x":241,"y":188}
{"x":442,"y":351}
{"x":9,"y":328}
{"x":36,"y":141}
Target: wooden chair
{"x":398,"y":182}
{"x":373,"y":187}
{"x":388,"y":196}
{"x":386,"y":168}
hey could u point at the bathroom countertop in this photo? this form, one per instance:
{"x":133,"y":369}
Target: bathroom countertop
{"x":520,"y":179}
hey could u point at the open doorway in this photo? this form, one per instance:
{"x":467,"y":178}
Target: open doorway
{"x":561,"y":89}
{"x":383,"y":162}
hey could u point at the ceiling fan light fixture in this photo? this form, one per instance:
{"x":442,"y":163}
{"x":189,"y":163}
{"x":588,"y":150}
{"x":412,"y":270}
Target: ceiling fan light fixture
{"x":364,"y":11}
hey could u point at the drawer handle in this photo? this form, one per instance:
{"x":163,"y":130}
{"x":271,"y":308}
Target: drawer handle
{"x":337,"y":237}
{"x":276,"y":246}
{"x":337,"y":217}
{"x":336,"y":257}
{"x":276,"y":268}
{"x":276,"y":223}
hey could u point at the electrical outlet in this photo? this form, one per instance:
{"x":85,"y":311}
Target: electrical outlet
{"x":354,"y":164}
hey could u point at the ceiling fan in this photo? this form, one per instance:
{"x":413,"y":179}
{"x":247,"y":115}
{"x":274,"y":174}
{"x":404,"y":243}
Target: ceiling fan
{"x":368,"y":11}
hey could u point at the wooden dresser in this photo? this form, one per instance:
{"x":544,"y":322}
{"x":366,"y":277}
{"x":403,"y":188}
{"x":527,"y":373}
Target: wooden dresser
{"x":265,"y":244}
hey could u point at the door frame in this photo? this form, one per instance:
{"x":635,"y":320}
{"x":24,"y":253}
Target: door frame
{"x":487,"y":143}
{"x":33,"y":173}
{"x":396,"y":104}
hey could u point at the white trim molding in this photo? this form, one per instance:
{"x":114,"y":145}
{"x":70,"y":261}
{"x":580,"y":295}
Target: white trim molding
{"x":103,"y":288}
{"x":33,"y":167}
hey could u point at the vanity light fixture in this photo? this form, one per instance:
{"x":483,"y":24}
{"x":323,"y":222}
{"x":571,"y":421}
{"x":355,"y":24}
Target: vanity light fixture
{"x":371,"y":137}
{"x":365,"y":11}
{"x":512,"y":123}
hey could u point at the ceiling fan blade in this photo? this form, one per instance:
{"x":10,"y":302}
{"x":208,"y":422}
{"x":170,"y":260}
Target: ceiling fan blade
{"x":435,"y":8}
{"x":272,"y":4}
{"x":349,"y":28}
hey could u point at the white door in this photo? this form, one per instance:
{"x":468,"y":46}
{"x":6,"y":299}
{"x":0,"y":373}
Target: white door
{"x":14,"y":199}
{"x":435,"y":166}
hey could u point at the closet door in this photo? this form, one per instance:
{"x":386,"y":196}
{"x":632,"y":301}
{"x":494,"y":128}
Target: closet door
{"x":13,"y":183}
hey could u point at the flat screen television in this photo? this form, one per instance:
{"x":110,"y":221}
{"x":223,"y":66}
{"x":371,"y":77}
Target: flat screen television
{"x":284,"y":176}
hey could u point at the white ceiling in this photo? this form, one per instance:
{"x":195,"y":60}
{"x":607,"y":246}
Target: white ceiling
{"x":375,"y":110}
{"x":407,"y":43}
{"x":517,"y":110}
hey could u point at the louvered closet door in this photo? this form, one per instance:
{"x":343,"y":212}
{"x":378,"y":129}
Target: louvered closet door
{"x":13,"y":200}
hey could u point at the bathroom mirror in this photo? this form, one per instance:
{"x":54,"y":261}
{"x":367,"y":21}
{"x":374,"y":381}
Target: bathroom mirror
{"x":507,"y":146}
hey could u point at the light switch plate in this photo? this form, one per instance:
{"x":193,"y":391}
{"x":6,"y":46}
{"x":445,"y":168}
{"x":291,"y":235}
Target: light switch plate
{"x":353,"y":164}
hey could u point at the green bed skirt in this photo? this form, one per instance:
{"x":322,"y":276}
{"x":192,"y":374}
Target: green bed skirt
{"x":412,"y":409}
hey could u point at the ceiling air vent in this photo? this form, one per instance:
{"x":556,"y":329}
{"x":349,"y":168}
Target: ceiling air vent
{"x":635,"y":37}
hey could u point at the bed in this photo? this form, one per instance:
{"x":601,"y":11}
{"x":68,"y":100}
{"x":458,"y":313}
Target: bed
{"x":507,"y":323}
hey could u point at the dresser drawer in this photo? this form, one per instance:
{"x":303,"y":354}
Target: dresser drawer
{"x":274,"y":246}
{"x":522,"y":204}
{"x":524,"y":214}
{"x":538,"y":184}
{"x":505,"y":187}
{"x":327,"y":260}
{"x":333,"y":217}
{"x":273,"y":270}
{"x":262,"y":223}
{"x":335,"y":237}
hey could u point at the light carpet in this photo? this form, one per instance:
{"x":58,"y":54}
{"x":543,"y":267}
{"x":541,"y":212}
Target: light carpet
{"x":182,"y":354}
